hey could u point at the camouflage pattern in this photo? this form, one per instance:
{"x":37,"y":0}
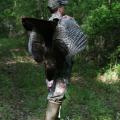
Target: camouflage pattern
{"x":56,"y":3}
{"x":57,"y":90}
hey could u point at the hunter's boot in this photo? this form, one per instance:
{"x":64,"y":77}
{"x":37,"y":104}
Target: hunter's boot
{"x":52,"y":111}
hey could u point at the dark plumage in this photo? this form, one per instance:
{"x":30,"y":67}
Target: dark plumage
{"x":47,"y":48}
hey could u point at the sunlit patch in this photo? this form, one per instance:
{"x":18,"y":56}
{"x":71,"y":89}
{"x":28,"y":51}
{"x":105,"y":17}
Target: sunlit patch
{"x":20,"y":59}
{"x":24,"y":59}
{"x":111,"y":75}
{"x":77,"y":79}
{"x":10,"y":62}
{"x":16,"y":50}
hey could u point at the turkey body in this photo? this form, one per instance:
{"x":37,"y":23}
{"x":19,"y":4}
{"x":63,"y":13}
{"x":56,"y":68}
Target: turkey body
{"x":54,"y":58}
{"x":54,"y":43}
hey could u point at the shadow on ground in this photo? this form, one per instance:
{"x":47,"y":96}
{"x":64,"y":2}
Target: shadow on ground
{"x":23,"y":91}
{"x":90,"y":98}
{"x":22,"y":87}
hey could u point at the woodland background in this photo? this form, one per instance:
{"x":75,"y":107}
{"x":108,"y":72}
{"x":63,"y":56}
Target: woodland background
{"x":94,"y":92}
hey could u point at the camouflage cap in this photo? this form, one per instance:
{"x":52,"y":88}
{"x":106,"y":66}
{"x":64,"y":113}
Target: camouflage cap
{"x":56,"y":3}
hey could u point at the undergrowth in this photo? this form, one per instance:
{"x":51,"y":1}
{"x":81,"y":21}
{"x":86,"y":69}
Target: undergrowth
{"x":93,"y":92}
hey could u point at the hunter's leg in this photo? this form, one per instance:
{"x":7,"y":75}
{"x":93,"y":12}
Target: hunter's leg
{"x":52,"y":111}
{"x":55,"y":97}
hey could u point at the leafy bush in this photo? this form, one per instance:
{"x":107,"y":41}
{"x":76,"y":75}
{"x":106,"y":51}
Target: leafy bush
{"x":102,"y":27}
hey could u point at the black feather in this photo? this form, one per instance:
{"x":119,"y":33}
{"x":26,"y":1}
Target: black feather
{"x":43,"y":27}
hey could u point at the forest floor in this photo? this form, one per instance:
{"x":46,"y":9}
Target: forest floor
{"x":23,"y":91}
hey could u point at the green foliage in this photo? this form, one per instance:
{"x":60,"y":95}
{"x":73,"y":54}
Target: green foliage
{"x":13,"y":10}
{"x":94,"y":94}
{"x":102,"y":20}
{"x":4,"y":15}
{"x":21,"y":82}
{"x":80,"y":9}
{"x":102,"y":26}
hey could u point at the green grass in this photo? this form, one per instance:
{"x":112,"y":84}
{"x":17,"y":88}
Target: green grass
{"x":23,"y":90}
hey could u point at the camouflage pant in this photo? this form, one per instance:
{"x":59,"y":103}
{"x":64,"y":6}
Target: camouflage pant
{"x":57,"y":90}
{"x":58,"y":87}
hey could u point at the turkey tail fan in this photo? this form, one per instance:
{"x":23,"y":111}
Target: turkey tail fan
{"x":43,"y":27}
{"x":78,"y":41}
{"x":72,"y":35}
